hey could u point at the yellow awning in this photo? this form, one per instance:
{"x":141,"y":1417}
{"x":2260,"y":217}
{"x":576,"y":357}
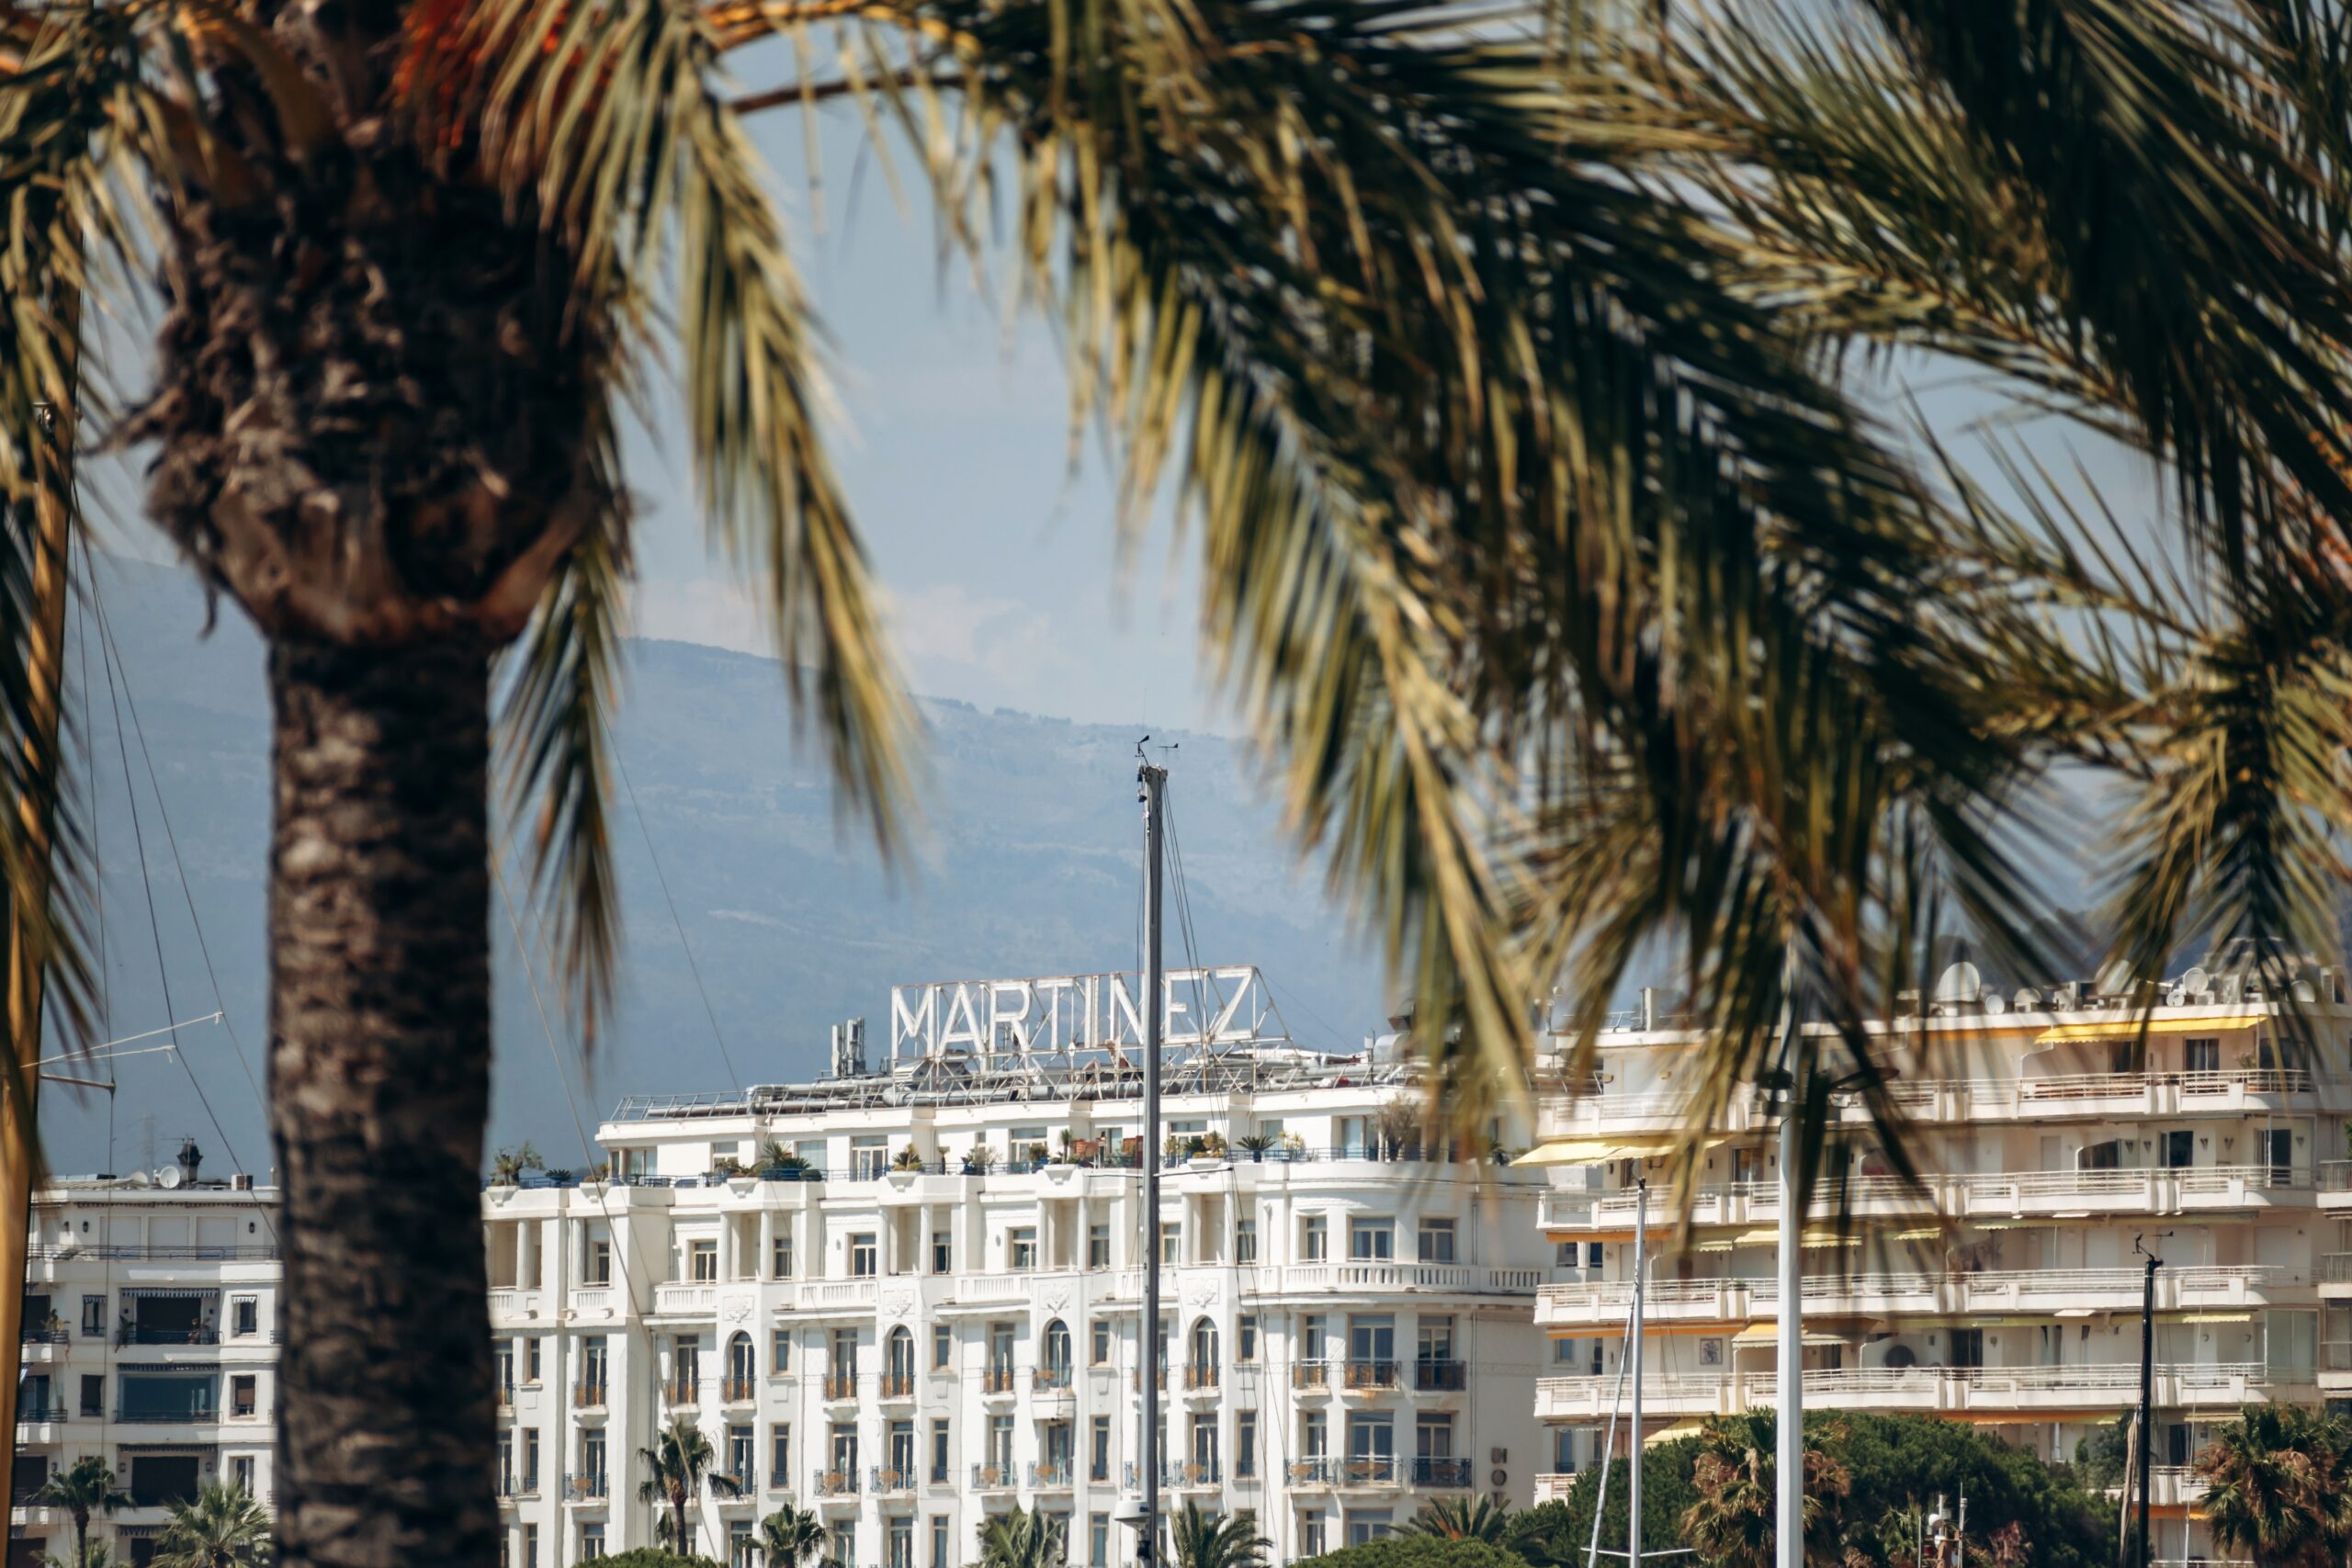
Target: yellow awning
{"x":1768,"y":1333}
{"x":1679,"y":1429}
{"x":2127,"y":1027}
{"x":1814,"y":1237}
{"x":1922,"y":1234}
{"x":2214,"y":1317}
{"x":1598,"y":1151}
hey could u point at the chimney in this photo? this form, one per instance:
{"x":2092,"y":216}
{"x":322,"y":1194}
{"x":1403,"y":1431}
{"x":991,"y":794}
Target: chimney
{"x":190,"y":1157}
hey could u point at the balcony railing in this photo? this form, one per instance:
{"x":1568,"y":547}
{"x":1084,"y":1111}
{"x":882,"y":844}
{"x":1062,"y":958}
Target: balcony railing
{"x":1449,"y":1472}
{"x":887,"y":1479}
{"x":1956,"y":1294}
{"x":1950,"y":1390}
{"x":997,"y":1380}
{"x":156,"y":1334}
{"x":1433,"y":1374}
{"x":683,"y":1391}
{"x":1370,"y":1470}
{"x":897,"y":1386}
{"x":1365,"y":1372}
{"x":1319,"y":1470}
{"x":738,"y":1391}
{"x":518,"y":1487}
{"x":29,"y":1411}
{"x":840,"y":1385}
{"x":588,"y":1395}
{"x":191,"y":1416}
{"x":1310,"y":1374}
{"x":54,"y":1252}
{"x":584,"y":1488}
{"x":1200,"y":1377}
{"x":39,"y":1335}
{"x":1050,"y":1379}
{"x":836,"y":1483}
{"x":1051,"y":1475}
{"x":1188,"y":1475}
{"x":991,"y":1477}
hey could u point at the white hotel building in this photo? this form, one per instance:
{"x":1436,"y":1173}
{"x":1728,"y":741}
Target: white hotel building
{"x":149,"y":1338}
{"x":2007,"y":1292}
{"x":917,"y":1338}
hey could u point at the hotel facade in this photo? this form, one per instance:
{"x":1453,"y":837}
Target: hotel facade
{"x":2066,"y":1145}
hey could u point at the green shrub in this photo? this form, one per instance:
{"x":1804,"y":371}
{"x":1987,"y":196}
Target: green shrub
{"x":1418,"y":1551}
{"x":653,"y":1557}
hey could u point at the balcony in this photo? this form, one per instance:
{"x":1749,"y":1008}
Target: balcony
{"x":1433,"y":1375}
{"x":997,"y":1380}
{"x":738,"y":1391}
{"x":168,"y":1416}
{"x":518,"y":1487}
{"x":1310,"y":1374}
{"x":584,"y":1488}
{"x":992,"y":1478}
{"x":1051,"y":1475}
{"x":836,"y":1483}
{"x":841,"y":1386}
{"x":156,"y":1334}
{"x":32,"y":1336}
{"x":588,"y":1395}
{"x":2026,"y":1392}
{"x":1200,"y":1379}
{"x":1730,"y":1301}
{"x":683,"y":1391}
{"x":512,"y":1304}
{"x":1319,"y":1470}
{"x":1374,"y":1277}
{"x":897,"y":1386}
{"x":674,"y":1298}
{"x":1452,"y":1474}
{"x":1189,"y":1475}
{"x":1370,"y":1470}
{"x":34,"y":1412}
{"x":1365,"y":1375}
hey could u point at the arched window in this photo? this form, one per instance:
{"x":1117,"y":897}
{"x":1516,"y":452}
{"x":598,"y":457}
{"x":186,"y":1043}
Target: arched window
{"x":742,"y":1367}
{"x":898,"y":1356}
{"x":1053,"y":1360}
{"x":1203,"y":1352}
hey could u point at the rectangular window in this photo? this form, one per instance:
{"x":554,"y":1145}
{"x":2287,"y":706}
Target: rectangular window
{"x":1245,"y":1338}
{"x":868,"y":1159}
{"x":1098,"y":1450}
{"x":702,"y":1261}
{"x":2201,"y":1056}
{"x":1372,"y":1238}
{"x":531,"y":1359}
{"x":844,"y":1455}
{"x":592,"y":1542}
{"x":740,"y":1549}
{"x":1021,"y":1249}
{"x":1363,"y":1529}
{"x":244,"y":1397}
{"x":530,"y":1460}
{"x":1098,"y":1343}
{"x":943,"y":1347}
{"x":1314,"y":1435}
{"x":862,"y":1255}
{"x":599,"y":1272}
{"x":1171,"y":1241}
{"x":938,"y":1540}
{"x":1244,"y":1241}
{"x":780,"y":1352}
{"x":843,"y":1547}
{"x":530,"y":1546}
{"x":501,"y":1367}
{"x":741,"y":1462}
{"x":1245,"y":1444}
{"x":1098,"y":1247}
{"x":780,"y":1456}
{"x":245,"y":1315}
{"x":1001,"y":1444}
{"x":1310,"y":1532}
{"x":241,"y":1473}
{"x":1098,"y":1541}
{"x":94,"y":1315}
{"x":780,"y":1255}
{"x":902,"y":1543}
{"x":94,"y":1395}
{"x":939,"y":1451}
{"x":943,"y":1252}
{"x":1437,"y":1241}
{"x":1314,"y":1238}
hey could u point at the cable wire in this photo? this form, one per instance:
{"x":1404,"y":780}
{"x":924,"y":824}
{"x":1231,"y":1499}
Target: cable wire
{"x":691,"y":967}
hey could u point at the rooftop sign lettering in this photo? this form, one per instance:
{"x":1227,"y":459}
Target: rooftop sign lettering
{"x":1200,"y":1008}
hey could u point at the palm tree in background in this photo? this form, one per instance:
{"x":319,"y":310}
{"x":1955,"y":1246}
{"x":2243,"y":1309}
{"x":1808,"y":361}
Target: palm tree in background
{"x":1734,"y":1523}
{"x":678,"y":1467}
{"x":84,"y":1489}
{"x":1460,"y":1518}
{"x":1021,"y":1539}
{"x":791,"y":1536}
{"x":1584,"y":609}
{"x":225,"y":1527}
{"x":2279,"y":1486}
{"x":1199,"y":1540}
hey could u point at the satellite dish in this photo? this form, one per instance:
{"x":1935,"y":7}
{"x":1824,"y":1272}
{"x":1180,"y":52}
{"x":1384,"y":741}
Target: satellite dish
{"x":168,"y":1177}
{"x":1995,"y":1004}
{"x":1960,"y":983}
{"x":2027,"y":999}
{"x":2196,"y":982}
{"x":140,"y":1178}
{"x":2115,"y":979}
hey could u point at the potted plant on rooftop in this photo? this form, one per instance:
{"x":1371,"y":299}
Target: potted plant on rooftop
{"x":1065,"y":1153}
{"x":905,"y":1166}
{"x":977,"y":1159}
{"x":1256,"y":1145}
{"x":506,"y":1168}
{"x":1293,"y":1146}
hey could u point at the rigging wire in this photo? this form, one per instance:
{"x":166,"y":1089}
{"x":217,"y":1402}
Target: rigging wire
{"x":659,"y":875}
{"x":111,"y":659}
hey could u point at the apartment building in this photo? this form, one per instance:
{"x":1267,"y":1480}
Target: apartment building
{"x":150,"y":1339}
{"x":2065,"y":1142}
{"x":909,"y":1297}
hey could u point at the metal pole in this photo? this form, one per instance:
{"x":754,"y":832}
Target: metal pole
{"x":1155,"y":781}
{"x":1790,"y":1447}
{"x":1633,"y":1433}
{"x":2147,"y":1395}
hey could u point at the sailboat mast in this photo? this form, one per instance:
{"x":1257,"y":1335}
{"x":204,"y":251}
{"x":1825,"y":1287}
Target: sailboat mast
{"x":1155,"y":783}
{"x":1634,"y":1432}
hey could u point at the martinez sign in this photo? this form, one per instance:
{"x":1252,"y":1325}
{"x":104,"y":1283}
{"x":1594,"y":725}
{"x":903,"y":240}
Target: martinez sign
{"x":1081,"y":1012}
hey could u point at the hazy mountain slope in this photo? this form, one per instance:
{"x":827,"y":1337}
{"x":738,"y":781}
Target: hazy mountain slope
{"x":1028,"y":864}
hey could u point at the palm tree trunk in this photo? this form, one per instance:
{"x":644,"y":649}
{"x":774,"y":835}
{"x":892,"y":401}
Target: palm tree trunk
{"x":379,"y":1080}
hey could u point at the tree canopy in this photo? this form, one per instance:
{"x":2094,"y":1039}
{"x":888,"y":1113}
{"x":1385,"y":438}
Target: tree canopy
{"x":1420,"y":1551}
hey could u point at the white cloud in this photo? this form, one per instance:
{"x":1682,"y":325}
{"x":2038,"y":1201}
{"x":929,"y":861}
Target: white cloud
{"x":713,"y":611}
